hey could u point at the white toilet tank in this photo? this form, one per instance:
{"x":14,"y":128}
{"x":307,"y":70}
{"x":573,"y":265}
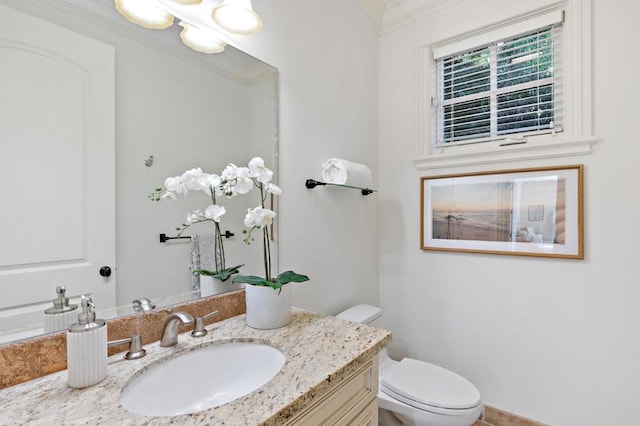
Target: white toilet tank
{"x":364,"y":314}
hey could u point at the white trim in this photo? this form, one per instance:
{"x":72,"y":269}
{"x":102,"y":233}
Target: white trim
{"x":394,"y":20}
{"x":371,"y":11}
{"x":401,"y":13}
{"x":579,"y":38}
{"x":469,"y":155}
{"x":529,"y":24}
{"x":419,"y":9}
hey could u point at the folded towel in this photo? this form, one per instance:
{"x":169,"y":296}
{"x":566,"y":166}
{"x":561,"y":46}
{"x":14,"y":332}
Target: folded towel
{"x":201,"y":256}
{"x":337,"y":170}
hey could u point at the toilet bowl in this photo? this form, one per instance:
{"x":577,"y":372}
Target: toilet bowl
{"x":418,"y":393}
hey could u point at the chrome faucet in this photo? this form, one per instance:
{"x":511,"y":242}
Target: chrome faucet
{"x":143,"y":304}
{"x":170,"y":328}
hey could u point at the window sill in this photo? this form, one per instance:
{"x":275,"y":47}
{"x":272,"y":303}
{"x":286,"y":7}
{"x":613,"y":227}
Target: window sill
{"x":492,"y":152}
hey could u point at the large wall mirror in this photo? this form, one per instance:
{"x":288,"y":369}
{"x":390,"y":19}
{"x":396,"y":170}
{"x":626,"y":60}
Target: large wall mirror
{"x":96,"y":113}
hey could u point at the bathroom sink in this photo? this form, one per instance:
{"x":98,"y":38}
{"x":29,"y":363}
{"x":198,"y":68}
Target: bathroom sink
{"x":202,"y":379}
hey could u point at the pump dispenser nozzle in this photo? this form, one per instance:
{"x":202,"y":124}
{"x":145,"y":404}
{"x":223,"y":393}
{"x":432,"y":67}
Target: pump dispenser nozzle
{"x":61,"y":314}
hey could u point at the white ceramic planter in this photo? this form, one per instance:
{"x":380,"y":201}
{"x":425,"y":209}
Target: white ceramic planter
{"x":268,"y":308}
{"x":210,"y":286}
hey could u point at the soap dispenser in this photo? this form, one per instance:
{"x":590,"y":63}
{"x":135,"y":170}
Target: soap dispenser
{"x":87,"y":348}
{"x":62,"y":314}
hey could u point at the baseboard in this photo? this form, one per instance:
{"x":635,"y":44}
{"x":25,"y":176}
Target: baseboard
{"x":492,"y":416}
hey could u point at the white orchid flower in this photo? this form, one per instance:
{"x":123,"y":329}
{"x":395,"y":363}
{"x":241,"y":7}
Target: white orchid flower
{"x":229,"y":172}
{"x":229,"y":176}
{"x":259,"y":171}
{"x":243,"y":183}
{"x":174,"y":184}
{"x":258,"y":217}
{"x":214,"y":212}
{"x":194,"y":216}
{"x":273,"y":189}
{"x":208,"y":181}
{"x":192,"y":179}
{"x":167,"y":195}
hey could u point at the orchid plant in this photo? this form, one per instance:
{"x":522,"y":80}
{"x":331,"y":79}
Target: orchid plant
{"x":240,"y":180}
{"x":197,"y":180}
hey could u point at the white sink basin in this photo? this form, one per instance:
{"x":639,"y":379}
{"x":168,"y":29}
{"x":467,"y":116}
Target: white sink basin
{"x":202,"y":379}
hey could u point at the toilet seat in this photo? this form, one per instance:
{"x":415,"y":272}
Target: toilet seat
{"x":430,"y":388}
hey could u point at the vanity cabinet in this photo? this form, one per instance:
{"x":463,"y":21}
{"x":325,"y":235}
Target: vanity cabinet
{"x":352,"y":401}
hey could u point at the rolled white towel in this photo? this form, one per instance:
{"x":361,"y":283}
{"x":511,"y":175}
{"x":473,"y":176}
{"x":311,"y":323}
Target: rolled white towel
{"x":337,"y":170}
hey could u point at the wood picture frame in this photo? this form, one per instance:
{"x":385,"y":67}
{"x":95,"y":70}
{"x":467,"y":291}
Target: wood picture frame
{"x":522,"y":212}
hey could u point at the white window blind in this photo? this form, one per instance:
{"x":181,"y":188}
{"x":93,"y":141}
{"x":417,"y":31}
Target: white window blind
{"x":509,"y":86}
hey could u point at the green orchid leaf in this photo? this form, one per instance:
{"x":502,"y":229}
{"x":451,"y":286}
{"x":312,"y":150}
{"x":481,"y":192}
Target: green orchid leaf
{"x":251,"y":279}
{"x":223,"y":275}
{"x":205,"y":272}
{"x":290,"y":276}
{"x":283,"y":278}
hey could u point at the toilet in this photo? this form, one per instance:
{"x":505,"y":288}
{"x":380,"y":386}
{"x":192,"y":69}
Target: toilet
{"x":417,"y":393}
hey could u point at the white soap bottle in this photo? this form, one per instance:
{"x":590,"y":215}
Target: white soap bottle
{"x":62,"y":314}
{"x":87,"y":348}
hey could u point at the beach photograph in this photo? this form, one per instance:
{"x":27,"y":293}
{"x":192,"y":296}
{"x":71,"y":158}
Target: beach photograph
{"x":529,"y":210}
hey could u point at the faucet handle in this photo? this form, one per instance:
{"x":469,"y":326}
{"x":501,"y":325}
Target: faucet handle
{"x":199,"y":330}
{"x":136,"y":350}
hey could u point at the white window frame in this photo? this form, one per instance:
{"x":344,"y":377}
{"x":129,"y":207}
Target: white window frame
{"x":576,"y":137}
{"x":492,"y":92}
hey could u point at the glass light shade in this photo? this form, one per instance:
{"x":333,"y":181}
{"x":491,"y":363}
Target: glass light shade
{"x":201,"y":40}
{"x":186,"y":2}
{"x":145,"y":14}
{"x":236,"y":16}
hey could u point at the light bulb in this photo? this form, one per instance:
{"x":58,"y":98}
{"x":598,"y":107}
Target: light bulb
{"x":201,"y":40}
{"x":237,"y":17}
{"x":144,"y":13}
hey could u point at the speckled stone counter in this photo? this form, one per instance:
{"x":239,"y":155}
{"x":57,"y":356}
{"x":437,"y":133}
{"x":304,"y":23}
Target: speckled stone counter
{"x":320,"y":351}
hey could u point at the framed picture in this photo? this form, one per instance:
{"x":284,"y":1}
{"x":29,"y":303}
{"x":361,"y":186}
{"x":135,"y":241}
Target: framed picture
{"x":524,"y":212}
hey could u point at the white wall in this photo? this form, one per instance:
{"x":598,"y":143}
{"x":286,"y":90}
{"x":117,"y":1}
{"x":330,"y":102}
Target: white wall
{"x":554,"y":340}
{"x":327,"y":57}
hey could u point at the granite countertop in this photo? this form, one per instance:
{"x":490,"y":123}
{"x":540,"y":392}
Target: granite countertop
{"x":319,"y":351}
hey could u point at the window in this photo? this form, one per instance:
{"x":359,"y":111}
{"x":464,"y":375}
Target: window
{"x":510,"y":86}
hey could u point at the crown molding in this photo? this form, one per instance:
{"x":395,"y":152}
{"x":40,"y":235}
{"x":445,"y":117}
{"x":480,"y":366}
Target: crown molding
{"x":395,"y":18}
{"x":371,"y":11}
{"x":400,"y":13}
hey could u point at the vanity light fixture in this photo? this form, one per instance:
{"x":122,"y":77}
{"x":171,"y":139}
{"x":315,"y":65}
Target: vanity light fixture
{"x":236,"y":16}
{"x":144,"y":13}
{"x":204,"y":22}
{"x":201,"y":40}
{"x":186,"y":2}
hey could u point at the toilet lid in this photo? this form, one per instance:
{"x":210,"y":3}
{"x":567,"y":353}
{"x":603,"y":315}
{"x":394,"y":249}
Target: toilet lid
{"x":425,"y":385}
